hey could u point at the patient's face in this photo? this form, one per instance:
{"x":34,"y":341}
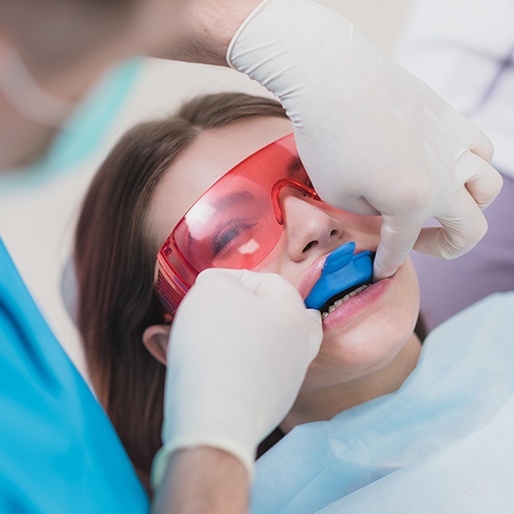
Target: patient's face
{"x":365,"y":333}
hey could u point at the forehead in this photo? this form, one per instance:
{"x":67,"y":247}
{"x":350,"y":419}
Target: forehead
{"x":209,"y":157}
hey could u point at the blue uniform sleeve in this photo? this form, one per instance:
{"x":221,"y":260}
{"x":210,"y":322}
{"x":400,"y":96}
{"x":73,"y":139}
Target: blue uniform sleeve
{"x":58,"y":450}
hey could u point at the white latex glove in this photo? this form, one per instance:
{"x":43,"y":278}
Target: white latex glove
{"x":373,"y":138}
{"x":240,"y":346}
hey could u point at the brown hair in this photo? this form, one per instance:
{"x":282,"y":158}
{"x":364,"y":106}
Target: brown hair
{"x":115,"y":262}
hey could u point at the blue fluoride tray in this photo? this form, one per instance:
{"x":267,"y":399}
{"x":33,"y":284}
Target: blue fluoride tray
{"x":343,"y":270}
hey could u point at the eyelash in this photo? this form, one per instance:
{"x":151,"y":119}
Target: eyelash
{"x":227,"y":234}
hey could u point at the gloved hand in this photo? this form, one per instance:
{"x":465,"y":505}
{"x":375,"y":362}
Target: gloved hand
{"x":239,"y":349}
{"x":373,"y":138}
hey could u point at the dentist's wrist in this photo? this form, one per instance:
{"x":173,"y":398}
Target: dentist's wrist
{"x":170,"y":449}
{"x":203,"y":479}
{"x":205,"y":28}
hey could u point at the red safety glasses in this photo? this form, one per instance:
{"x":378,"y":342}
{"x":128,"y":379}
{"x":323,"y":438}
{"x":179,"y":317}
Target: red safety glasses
{"x":235,"y":224}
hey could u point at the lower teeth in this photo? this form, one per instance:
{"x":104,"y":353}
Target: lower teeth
{"x":345,"y":298}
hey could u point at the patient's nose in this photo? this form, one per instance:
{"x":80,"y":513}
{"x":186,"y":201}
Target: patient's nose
{"x":308,"y":226}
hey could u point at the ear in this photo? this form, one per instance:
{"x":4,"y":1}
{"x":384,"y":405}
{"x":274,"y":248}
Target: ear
{"x":155,"y":338}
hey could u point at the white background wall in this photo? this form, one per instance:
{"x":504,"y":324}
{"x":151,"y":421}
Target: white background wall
{"x":37,"y":225}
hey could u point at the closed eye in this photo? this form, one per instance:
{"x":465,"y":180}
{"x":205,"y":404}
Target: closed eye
{"x":224,"y":237}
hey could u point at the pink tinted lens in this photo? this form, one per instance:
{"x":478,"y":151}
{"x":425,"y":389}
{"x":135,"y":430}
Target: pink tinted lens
{"x":234,"y":224}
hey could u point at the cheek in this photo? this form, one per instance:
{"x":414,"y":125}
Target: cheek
{"x":277,"y":261}
{"x":364,"y":226}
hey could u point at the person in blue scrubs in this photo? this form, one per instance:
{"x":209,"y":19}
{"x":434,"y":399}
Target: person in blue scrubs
{"x":54,"y":436}
{"x":58,"y":451}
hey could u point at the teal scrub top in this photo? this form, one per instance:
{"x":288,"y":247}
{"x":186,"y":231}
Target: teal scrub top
{"x":59,"y":452}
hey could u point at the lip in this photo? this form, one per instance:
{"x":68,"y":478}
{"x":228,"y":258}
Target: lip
{"x":313,"y":273}
{"x":358,"y":303}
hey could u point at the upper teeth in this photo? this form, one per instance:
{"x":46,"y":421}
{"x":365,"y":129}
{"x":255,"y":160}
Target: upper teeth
{"x":345,"y":298}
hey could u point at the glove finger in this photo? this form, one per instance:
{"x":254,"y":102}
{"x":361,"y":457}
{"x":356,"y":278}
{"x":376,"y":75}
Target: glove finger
{"x":277,"y":290}
{"x":271,"y":285}
{"x":484,"y":182}
{"x":249,"y":280}
{"x":259,"y":284}
{"x":481,"y":145}
{"x":461,"y":230}
{"x":214,"y":273}
{"x":355,"y":204}
{"x":471,"y":136}
{"x":397,"y":237}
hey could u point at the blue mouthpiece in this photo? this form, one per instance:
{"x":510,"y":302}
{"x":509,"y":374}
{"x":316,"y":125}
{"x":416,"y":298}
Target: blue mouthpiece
{"x":343,"y":270}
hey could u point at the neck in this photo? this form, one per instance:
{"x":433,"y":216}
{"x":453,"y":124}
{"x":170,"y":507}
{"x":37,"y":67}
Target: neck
{"x":324,"y":403}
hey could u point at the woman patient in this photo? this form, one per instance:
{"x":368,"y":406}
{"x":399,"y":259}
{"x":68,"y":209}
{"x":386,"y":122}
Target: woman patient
{"x":138,"y":199}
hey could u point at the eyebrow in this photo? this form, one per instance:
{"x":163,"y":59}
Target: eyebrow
{"x":233,"y":199}
{"x":294,"y":165}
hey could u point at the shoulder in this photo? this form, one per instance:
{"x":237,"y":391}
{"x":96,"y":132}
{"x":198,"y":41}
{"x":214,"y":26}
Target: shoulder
{"x":58,"y":450}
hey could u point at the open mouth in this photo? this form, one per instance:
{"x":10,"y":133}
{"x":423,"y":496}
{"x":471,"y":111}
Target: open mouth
{"x":337,"y":300}
{"x":344,"y":275}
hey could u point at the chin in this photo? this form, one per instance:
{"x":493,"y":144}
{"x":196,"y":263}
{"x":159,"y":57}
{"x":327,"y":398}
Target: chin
{"x":370,"y":341}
